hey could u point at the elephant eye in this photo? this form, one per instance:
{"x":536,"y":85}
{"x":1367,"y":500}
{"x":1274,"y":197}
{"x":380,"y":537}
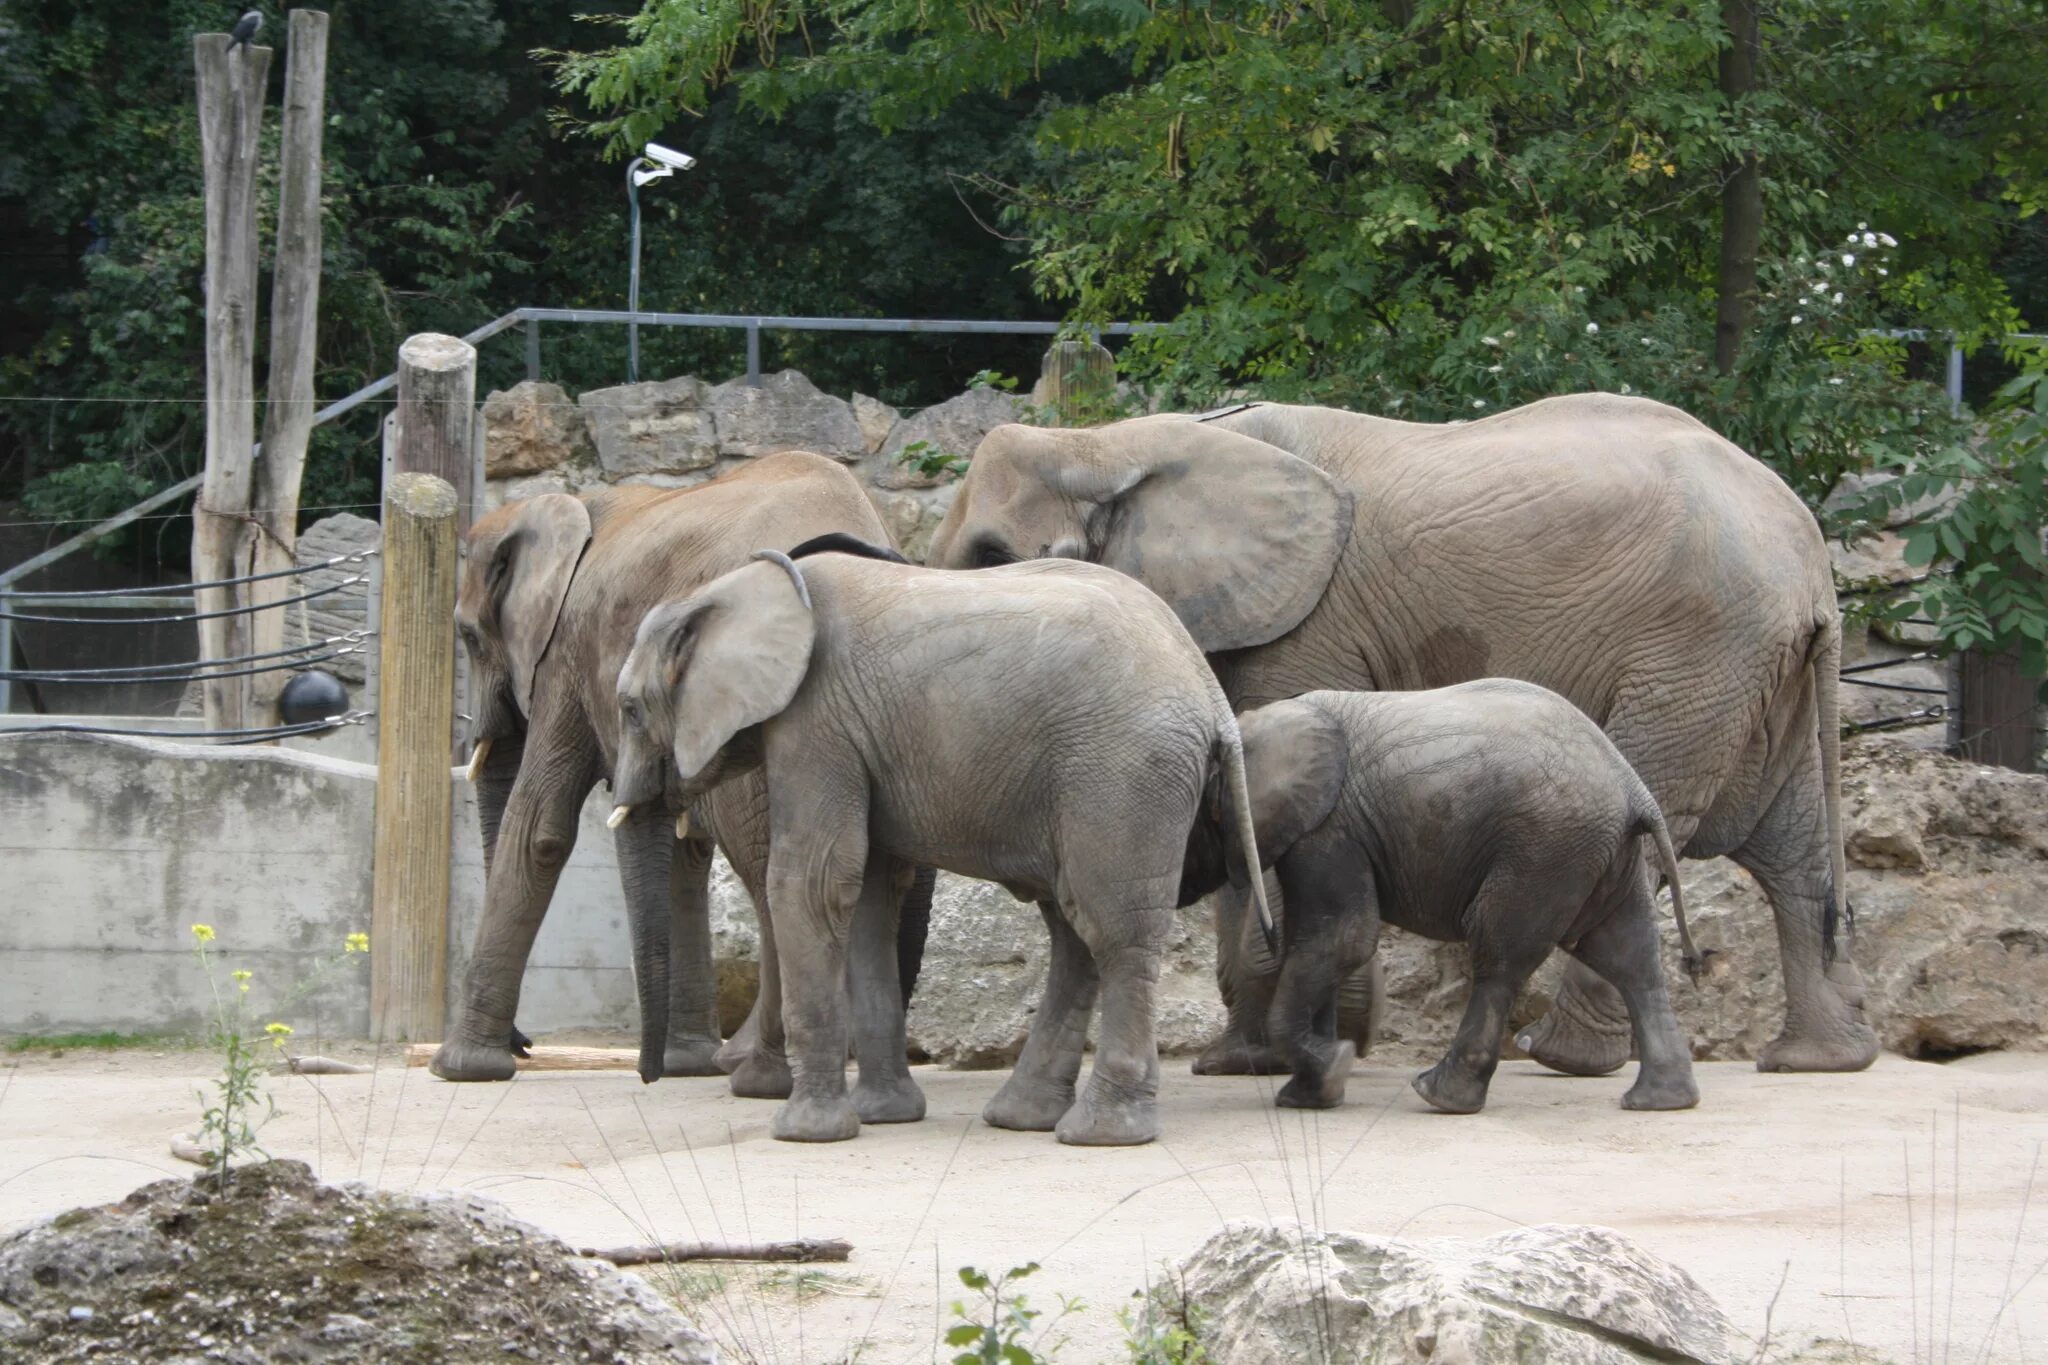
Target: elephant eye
{"x":990,"y":553}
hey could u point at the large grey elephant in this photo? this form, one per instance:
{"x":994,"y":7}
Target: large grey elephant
{"x":1492,"y":813}
{"x":1611,"y":549}
{"x":553,"y":588}
{"x":1049,"y":727}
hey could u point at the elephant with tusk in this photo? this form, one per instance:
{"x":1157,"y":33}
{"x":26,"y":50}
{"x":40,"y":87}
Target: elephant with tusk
{"x":552,"y":590}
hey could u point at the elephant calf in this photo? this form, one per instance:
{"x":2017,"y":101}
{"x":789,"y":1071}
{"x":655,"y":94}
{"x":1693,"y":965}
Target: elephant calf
{"x":1048,"y":726}
{"x":1491,"y":812}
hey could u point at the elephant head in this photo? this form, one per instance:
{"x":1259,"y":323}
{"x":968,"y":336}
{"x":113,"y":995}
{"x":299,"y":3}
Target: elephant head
{"x":1295,"y":759}
{"x":518,"y":564}
{"x":702,"y":671}
{"x":1239,"y":537}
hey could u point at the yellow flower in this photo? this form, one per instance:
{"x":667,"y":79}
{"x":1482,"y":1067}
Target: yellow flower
{"x":1639,"y":162}
{"x":356,"y":943}
{"x":278,"y":1033}
{"x":1670,"y":169}
{"x":242,"y":980}
{"x":203,"y":932}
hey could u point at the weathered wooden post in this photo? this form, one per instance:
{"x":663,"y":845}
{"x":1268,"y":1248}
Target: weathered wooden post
{"x":231,"y":87}
{"x":1992,"y":708}
{"x":416,"y":705}
{"x":1078,"y":379}
{"x":294,"y":315}
{"x":436,"y":422}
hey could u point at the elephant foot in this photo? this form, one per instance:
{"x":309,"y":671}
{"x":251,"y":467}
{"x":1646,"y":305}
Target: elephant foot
{"x":739,"y":1047}
{"x":1450,"y":1090}
{"x":1098,"y":1120}
{"x":691,"y":1057}
{"x":811,"y":1118}
{"x":1027,"y":1104}
{"x":1321,"y":1088}
{"x":458,"y":1059}
{"x":895,"y":1100}
{"x":1232,"y":1054}
{"x":762,"y":1075}
{"x":1576,"y":1040}
{"x":1662,"y":1092}
{"x":1847,"y":1047}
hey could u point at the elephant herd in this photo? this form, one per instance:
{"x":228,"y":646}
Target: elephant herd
{"x":1146,"y":662}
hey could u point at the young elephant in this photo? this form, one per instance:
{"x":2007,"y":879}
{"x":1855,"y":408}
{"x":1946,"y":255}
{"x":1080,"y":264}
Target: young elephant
{"x":1050,"y":727}
{"x":1494,"y":812}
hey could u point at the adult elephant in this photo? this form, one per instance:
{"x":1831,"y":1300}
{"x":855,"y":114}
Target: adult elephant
{"x":553,"y":589}
{"x":1612,"y":549}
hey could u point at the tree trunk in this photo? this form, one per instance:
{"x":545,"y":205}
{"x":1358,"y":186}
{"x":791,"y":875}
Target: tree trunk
{"x":231,"y":87}
{"x":1742,"y":194}
{"x":294,"y":314}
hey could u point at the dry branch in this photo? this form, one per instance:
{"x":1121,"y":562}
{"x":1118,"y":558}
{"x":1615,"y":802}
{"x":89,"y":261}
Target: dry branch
{"x":800,"y":1249}
{"x":551,"y":1058}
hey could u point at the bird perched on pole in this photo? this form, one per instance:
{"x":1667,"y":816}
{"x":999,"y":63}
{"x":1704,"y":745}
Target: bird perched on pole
{"x":245,"y":30}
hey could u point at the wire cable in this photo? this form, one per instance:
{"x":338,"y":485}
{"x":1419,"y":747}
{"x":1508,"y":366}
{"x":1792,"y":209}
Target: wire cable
{"x":350,"y":581}
{"x":121,"y":674}
{"x":187,"y":673}
{"x":356,"y":557}
{"x":236,"y":736}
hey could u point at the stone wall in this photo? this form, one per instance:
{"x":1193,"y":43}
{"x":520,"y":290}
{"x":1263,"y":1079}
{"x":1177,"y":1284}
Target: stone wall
{"x":674,"y":433}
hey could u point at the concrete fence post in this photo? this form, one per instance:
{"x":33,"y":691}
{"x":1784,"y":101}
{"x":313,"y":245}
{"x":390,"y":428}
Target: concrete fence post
{"x":1078,"y":379}
{"x":416,"y":705}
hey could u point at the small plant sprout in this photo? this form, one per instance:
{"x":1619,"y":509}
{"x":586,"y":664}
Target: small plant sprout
{"x":999,"y":1330}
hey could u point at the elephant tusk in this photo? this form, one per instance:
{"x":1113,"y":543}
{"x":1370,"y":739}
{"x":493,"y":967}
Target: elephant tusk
{"x":618,"y":816}
{"x":477,"y":756}
{"x":683,"y":824}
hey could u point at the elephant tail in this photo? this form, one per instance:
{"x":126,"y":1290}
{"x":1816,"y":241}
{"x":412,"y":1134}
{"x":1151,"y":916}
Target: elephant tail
{"x":1650,"y":821}
{"x":1827,"y":688}
{"x":1232,"y":743}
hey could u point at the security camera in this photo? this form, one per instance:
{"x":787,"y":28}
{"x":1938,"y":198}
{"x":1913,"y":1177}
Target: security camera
{"x":670,"y":157}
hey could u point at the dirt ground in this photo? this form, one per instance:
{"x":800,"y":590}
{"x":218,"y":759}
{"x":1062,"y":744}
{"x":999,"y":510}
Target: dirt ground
{"x":1896,"y":1208}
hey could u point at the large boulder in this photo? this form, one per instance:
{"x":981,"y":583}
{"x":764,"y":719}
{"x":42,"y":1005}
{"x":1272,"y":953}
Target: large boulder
{"x":278,"y":1267}
{"x":954,"y":427}
{"x":1266,"y":1294}
{"x":877,"y":419}
{"x":532,"y":427}
{"x":787,"y":412}
{"x":659,"y":428}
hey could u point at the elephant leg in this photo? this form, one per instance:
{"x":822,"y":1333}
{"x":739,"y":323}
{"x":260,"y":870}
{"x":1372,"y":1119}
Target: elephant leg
{"x":1119,"y":1105}
{"x":1507,"y":946}
{"x":493,"y":789}
{"x":1247,"y":977}
{"x":693,"y":1036}
{"x":1624,"y":948}
{"x":1586,"y":1031}
{"x":1787,"y":853}
{"x":913,"y":923}
{"x":757,"y":1055}
{"x":885,"y":1093}
{"x":817,"y":868}
{"x":1331,"y":933}
{"x":1041,"y":1087}
{"x":535,"y":838}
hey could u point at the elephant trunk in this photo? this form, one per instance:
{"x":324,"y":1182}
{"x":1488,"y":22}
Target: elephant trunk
{"x":493,"y":779}
{"x":646,"y":850}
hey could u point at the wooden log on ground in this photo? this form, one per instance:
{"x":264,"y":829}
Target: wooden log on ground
{"x":294,"y":315}
{"x":231,"y":87}
{"x":552,"y":1058}
{"x":800,"y":1249}
{"x":414,"y":816}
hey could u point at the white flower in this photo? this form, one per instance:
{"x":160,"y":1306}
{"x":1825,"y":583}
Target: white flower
{"x":1592,"y":329}
{"x":1861,"y":226}
{"x":1870,"y":239}
{"x":1509,"y":333}
{"x":1820,"y":265}
{"x":1802,"y":303}
{"x":1796,"y":319}
{"x":1838,"y":296}
{"x":1578,"y":289}
{"x":1886,"y":239}
{"x":1479,"y":402}
{"x":1848,"y":259}
{"x":1834,"y":381}
{"x":1493,"y":369}
{"x":1882,"y":271}
{"x":1489,"y":341}
{"x":1626,"y":389}
{"x":1648,"y":342}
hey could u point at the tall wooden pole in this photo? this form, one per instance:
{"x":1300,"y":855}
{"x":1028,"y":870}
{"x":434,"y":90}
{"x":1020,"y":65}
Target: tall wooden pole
{"x":436,"y":420}
{"x":294,"y":315}
{"x":231,"y":87}
{"x":416,"y":705}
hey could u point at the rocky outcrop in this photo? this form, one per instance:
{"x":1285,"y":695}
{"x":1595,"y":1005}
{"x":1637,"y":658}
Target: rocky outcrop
{"x":660,"y":428}
{"x":1275,"y":1294}
{"x":787,"y":412}
{"x":532,"y":427}
{"x":279,"y":1267}
{"x":952,"y":428}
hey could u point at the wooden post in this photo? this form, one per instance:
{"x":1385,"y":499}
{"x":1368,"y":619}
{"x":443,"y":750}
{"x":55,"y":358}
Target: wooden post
{"x":294,"y":314}
{"x":1078,"y":379}
{"x":1992,"y":709}
{"x":231,"y":86}
{"x":436,"y":421}
{"x":414,"y":819}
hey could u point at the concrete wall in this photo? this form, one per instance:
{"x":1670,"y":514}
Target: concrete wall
{"x":111,"y":848}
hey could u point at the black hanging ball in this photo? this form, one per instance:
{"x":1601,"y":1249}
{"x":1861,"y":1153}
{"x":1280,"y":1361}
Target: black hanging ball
{"x":314,"y":695}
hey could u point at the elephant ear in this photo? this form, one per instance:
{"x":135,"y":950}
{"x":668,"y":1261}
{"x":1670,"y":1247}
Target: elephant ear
{"x":1295,"y":758}
{"x":1240,"y":537}
{"x":731,"y":656}
{"x":530,"y":572}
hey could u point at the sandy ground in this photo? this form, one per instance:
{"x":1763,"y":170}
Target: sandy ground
{"x":1884,"y":1208}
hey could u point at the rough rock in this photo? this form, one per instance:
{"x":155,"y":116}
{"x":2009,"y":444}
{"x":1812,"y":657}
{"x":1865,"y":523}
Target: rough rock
{"x":1275,"y":1294}
{"x":788,"y":412}
{"x":532,"y":427}
{"x":877,"y":419}
{"x":912,"y":517}
{"x":954,"y":427}
{"x":282,"y":1268}
{"x":1948,"y":878}
{"x":664,"y":427}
